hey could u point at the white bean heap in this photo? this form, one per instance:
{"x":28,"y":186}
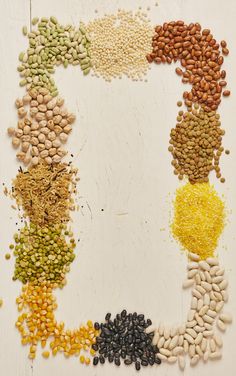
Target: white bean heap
{"x":199,"y":337}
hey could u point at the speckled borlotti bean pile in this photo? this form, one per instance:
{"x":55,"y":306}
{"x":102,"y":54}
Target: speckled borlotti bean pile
{"x":112,"y":46}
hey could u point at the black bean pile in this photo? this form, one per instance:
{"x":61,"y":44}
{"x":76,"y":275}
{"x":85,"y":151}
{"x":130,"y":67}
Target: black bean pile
{"x":124,"y":338}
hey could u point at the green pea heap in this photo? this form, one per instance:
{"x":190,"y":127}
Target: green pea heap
{"x":49,"y":46}
{"x":43,"y":254}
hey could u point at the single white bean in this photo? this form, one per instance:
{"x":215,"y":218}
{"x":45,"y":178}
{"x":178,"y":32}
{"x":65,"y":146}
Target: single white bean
{"x":150,"y":329}
{"x":189,"y":338}
{"x":192,"y":265}
{"x":199,"y":351}
{"x":218,"y":340}
{"x":194,"y":303}
{"x":212,"y":261}
{"x":204,"y":265}
{"x":191,"y":315}
{"x":161,"y":342}
{"x":226,"y":318}
{"x":207,"y":286}
{"x":172,"y":359}
{"x":192,"y":273}
{"x":198,"y":339}
{"x":212,"y":345}
{"x":199,"y":304}
{"x":186,"y":346}
{"x":177,"y":350}
{"x":215,"y":355}
{"x":206,"y":356}
{"x":156,"y":338}
{"x":166,"y":332}
{"x":204,"y":345}
{"x":206,"y":299}
{"x":181,"y":361}
{"x":194,"y":360}
{"x":165,"y":352}
{"x":167,"y":343}
{"x":192,"y":350}
{"x":223,"y":285}
{"x":174,"y":342}
{"x":188,"y":283}
{"x":203,"y":310}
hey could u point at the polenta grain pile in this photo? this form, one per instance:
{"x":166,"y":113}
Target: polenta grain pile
{"x":199,"y":218}
{"x":119,"y":45}
{"x":195,"y":144}
{"x":45,"y":192}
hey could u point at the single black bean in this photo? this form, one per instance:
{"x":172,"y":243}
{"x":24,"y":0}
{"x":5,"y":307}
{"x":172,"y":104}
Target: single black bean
{"x":108,"y":316}
{"x":144,"y":363}
{"x":137,"y":366}
{"x":123,"y":313}
{"x":157,"y":360}
{"x":110,"y":358}
{"x":95,"y":360}
{"x":95,"y":347}
{"x":96,"y":326}
{"x":128,"y":362}
{"x":149,"y":322}
{"x":151,"y":361}
{"x":117,"y":361}
{"x":102,"y":359}
{"x":140,"y":317}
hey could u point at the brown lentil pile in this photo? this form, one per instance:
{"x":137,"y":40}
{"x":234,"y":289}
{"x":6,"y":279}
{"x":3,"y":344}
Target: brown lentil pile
{"x":195,"y":144}
{"x":45,"y":192}
{"x":43,"y":127}
{"x":199,"y":55}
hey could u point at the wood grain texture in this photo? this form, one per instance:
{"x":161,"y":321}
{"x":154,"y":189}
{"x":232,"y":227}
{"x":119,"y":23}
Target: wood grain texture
{"x":120,"y":145}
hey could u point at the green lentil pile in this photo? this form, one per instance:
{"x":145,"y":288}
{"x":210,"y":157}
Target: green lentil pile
{"x":42,"y":253}
{"x":51,"y":45}
{"x":195,"y":144}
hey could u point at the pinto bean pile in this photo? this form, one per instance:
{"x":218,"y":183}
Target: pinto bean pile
{"x":199,"y":55}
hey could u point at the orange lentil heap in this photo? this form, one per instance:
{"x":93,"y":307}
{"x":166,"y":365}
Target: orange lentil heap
{"x":38,"y":325}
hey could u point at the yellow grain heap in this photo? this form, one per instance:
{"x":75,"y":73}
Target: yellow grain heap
{"x":199,"y":218}
{"x":38,"y":325}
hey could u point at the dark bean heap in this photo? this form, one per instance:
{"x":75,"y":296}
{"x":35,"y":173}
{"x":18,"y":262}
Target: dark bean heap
{"x":199,"y":55}
{"x":124,"y":338}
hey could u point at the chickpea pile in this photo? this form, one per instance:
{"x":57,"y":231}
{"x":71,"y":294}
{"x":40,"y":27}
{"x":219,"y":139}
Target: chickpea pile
{"x":195,"y":144}
{"x":42,"y":129}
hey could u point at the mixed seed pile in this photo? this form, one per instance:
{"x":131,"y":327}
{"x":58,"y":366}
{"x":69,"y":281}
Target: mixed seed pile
{"x":113,"y":46}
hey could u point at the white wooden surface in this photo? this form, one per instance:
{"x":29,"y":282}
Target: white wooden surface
{"x":120,"y":145}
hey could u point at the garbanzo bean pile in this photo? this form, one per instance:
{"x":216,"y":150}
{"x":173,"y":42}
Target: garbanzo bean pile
{"x":114,"y":46}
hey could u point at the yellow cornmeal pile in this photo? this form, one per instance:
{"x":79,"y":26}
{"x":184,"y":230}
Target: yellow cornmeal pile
{"x":38,"y":323}
{"x":199,"y":218}
{"x":45,"y":192}
{"x":119,"y":44}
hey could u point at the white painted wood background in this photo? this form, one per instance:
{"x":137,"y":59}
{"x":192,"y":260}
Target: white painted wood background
{"x":120,"y":142}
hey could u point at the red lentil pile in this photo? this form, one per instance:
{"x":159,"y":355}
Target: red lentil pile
{"x":199,"y":55}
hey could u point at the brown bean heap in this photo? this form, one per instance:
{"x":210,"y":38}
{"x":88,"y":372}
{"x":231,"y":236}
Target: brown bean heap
{"x":195,"y":144}
{"x":200,"y":56}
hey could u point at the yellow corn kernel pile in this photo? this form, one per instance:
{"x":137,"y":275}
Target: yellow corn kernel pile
{"x":199,"y":218}
{"x":38,"y":323}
